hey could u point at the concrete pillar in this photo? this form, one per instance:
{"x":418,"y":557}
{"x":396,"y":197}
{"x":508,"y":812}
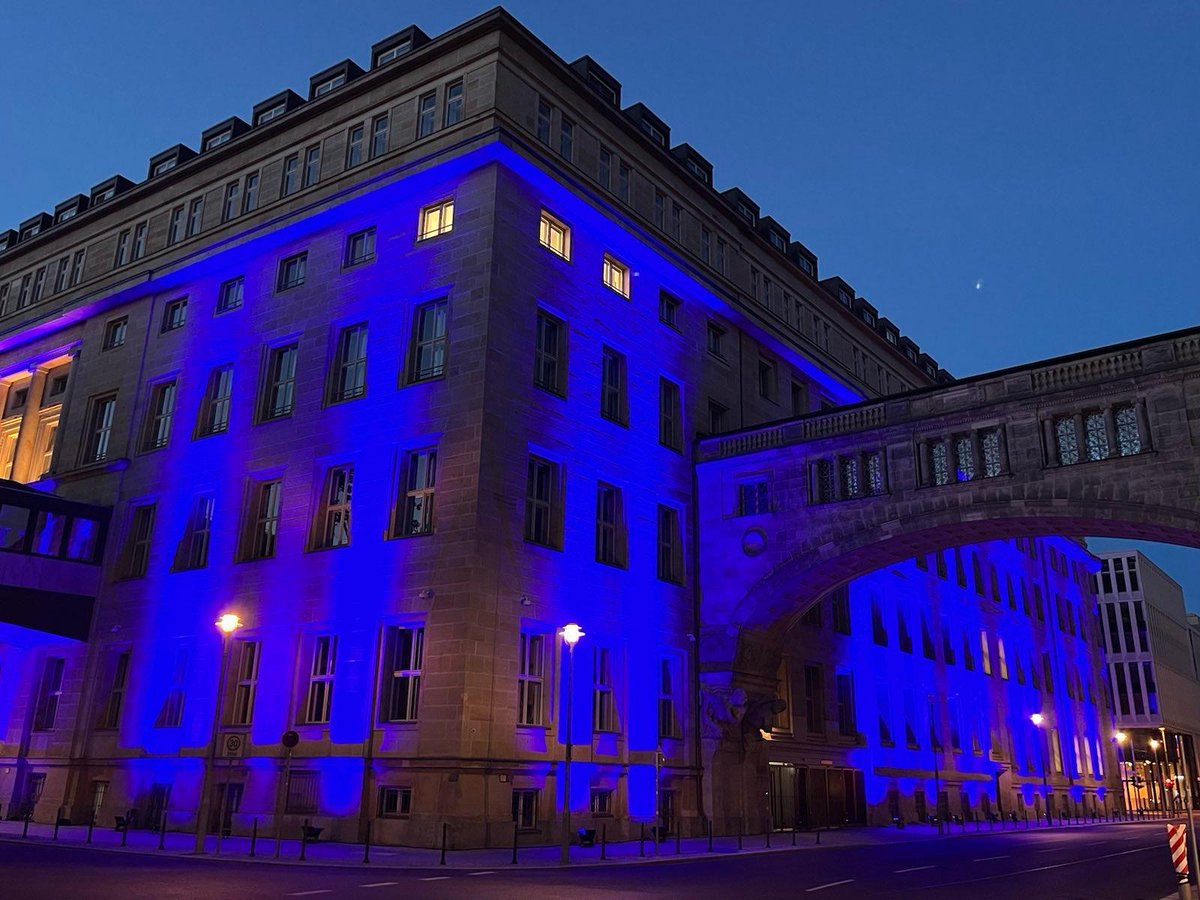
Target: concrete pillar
{"x":26,"y":440}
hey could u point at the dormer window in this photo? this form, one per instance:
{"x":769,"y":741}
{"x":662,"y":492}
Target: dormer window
{"x":776,"y":241}
{"x":268,"y":115}
{"x":844,"y":297}
{"x":806,"y":266}
{"x":930,"y":371}
{"x":657,"y":136}
{"x":891,"y":337}
{"x":218,"y":139}
{"x":697,"y":170}
{"x":68,"y":213}
{"x":165,"y":166}
{"x":745,"y":212}
{"x":4,"y":240}
{"x":106,"y":194}
{"x":29,"y":231}
{"x":331,"y":84}
{"x":908,"y":351}
{"x":386,"y":56}
{"x":604,"y":90}
{"x":867,"y":317}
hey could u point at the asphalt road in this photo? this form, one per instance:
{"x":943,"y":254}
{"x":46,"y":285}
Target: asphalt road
{"x":1121,"y":862}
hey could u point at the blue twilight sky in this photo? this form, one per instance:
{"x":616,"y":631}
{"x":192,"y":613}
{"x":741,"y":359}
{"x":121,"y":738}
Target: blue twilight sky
{"x":1006,"y":181}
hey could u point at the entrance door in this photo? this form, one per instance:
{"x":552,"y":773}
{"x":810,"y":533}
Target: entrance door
{"x":783,"y":797}
{"x":227,"y":802}
{"x":99,"y":789}
{"x":157,"y":806}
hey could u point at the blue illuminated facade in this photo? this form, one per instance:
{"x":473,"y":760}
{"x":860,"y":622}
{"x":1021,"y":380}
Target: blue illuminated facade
{"x":431,"y":398}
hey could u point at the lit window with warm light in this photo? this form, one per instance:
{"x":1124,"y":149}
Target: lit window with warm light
{"x":436,"y":220}
{"x":554,"y":236}
{"x":616,"y":276}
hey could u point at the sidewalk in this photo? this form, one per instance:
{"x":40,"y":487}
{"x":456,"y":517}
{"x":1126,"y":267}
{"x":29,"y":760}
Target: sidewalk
{"x":629,"y":852}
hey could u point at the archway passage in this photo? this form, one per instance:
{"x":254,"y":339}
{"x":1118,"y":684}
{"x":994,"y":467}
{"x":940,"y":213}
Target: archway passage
{"x":1100,"y":443}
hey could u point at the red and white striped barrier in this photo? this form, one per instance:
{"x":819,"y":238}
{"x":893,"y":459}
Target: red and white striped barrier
{"x":1177,"y":838}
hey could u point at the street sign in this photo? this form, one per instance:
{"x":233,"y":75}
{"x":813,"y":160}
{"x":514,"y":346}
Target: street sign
{"x":233,"y":745}
{"x":290,"y":739}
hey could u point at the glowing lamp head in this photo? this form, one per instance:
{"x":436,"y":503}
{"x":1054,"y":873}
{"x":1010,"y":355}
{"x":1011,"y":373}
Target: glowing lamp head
{"x":228,"y":623}
{"x":1153,"y":743}
{"x":1121,"y":737}
{"x":571,"y":633}
{"x":1037,"y":719}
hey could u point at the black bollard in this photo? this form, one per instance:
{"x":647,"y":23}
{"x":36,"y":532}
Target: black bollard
{"x":254,"y":835}
{"x":708,"y":826}
{"x":642,"y":839}
{"x":304,"y":841}
{"x":91,"y":825}
{"x":604,"y":840}
{"x":57,"y":818}
{"x":125,"y":832}
{"x":740,"y":828}
{"x":366,"y":843}
{"x":442,"y":860}
{"x":516,"y":827}
{"x":818,"y":835}
{"x":678,"y":836}
{"x":162,"y":831}
{"x":25,"y":827}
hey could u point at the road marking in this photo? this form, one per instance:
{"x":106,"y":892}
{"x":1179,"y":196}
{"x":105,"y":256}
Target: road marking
{"x":914,"y":869}
{"x":482,"y":873}
{"x":1050,"y":850}
{"x":310,"y":893}
{"x":437,"y":878}
{"x":1062,"y":865}
{"x":821,"y":887}
{"x":380,"y":884}
{"x":989,"y":858}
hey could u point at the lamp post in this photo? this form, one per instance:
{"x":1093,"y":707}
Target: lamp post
{"x":1038,"y":720}
{"x":227,"y":624}
{"x":1170,"y":768}
{"x":570,"y":633}
{"x":1121,"y":737}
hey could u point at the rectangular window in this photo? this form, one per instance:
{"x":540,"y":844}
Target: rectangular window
{"x":549,"y":357}
{"x":400,"y":692}
{"x":544,"y":113}
{"x":318,"y":697}
{"x":660,"y":210}
{"x":847,"y":727}
{"x":839,"y":605}
{"x":604,"y":169}
{"x":427,"y":346}
{"x":360,"y":247}
{"x":60,"y":280}
{"x":111,"y":717}
{"x":754,"y":497}
{"x":613,"y":395}
{"x":160,"y":412}
{"x":333,"y":516}
{"x":525,"y":809}
{"x":623,"y":180}
{"x":250,"y":193}
{"x":245,"y":682}
{"x":302,"y":789}
{"x":192,"y":552}
{"x":231,"y":294}
{"x":263,"y":519}
{"x":542,"y":503}
{"x":1067,"y":440}
{"x":601,"y":802}
{"x":77,"y":267}
{"x":437,"y":219}
{"x":291,"y":175}
{"x":175,"y":228}
{"x":426,"y":114}
{"x":379,"y":135}
{"x":610,"y":526}
{"x":195,"y":216}
{"x":721,"y":255}
{"x":414,"y":512}
{"x":814,"y":699}
{"x":616,"y":276}
{"x":99,"y":430}
{"x":122,"y":254}
{"x":1129,"y":435}
{"x":279,"y":383}
{"x":136,"y":556}
{"x":454,"y":103}
{"x":114,"y":333}
{"x":716,"y":417}
{"x":604,"y":712}
{"x":354,"y":146}
{"x":676,"y":222}
{"x":767,"y":379}
{"x":670,"y":415}
{"x":174,"y":315}
{"x":554,"y":235}
{"x":395,"y":802}
{"x":706,"y":245}
{"x":716,"y":340}
{"x":233,"y":196}
{"x":291,"y":272}
{"x":668,"y":721}
{"x":49,"y":694}
{"x":566,"y":139}
{"x":214,"y":408}
{"x":670,"y":545}
{"x":348,"y":377}
{"x":312,"y":165}
{"x":668,"y":310}
{"x":531,"y":679}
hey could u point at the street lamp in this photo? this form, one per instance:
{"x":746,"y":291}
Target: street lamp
{"x":1170,"y":769}
{"x":227,"y":624}
{"x":1121,"y":738}
{"x":570,"y":633}
{"x":1038,"y":719}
